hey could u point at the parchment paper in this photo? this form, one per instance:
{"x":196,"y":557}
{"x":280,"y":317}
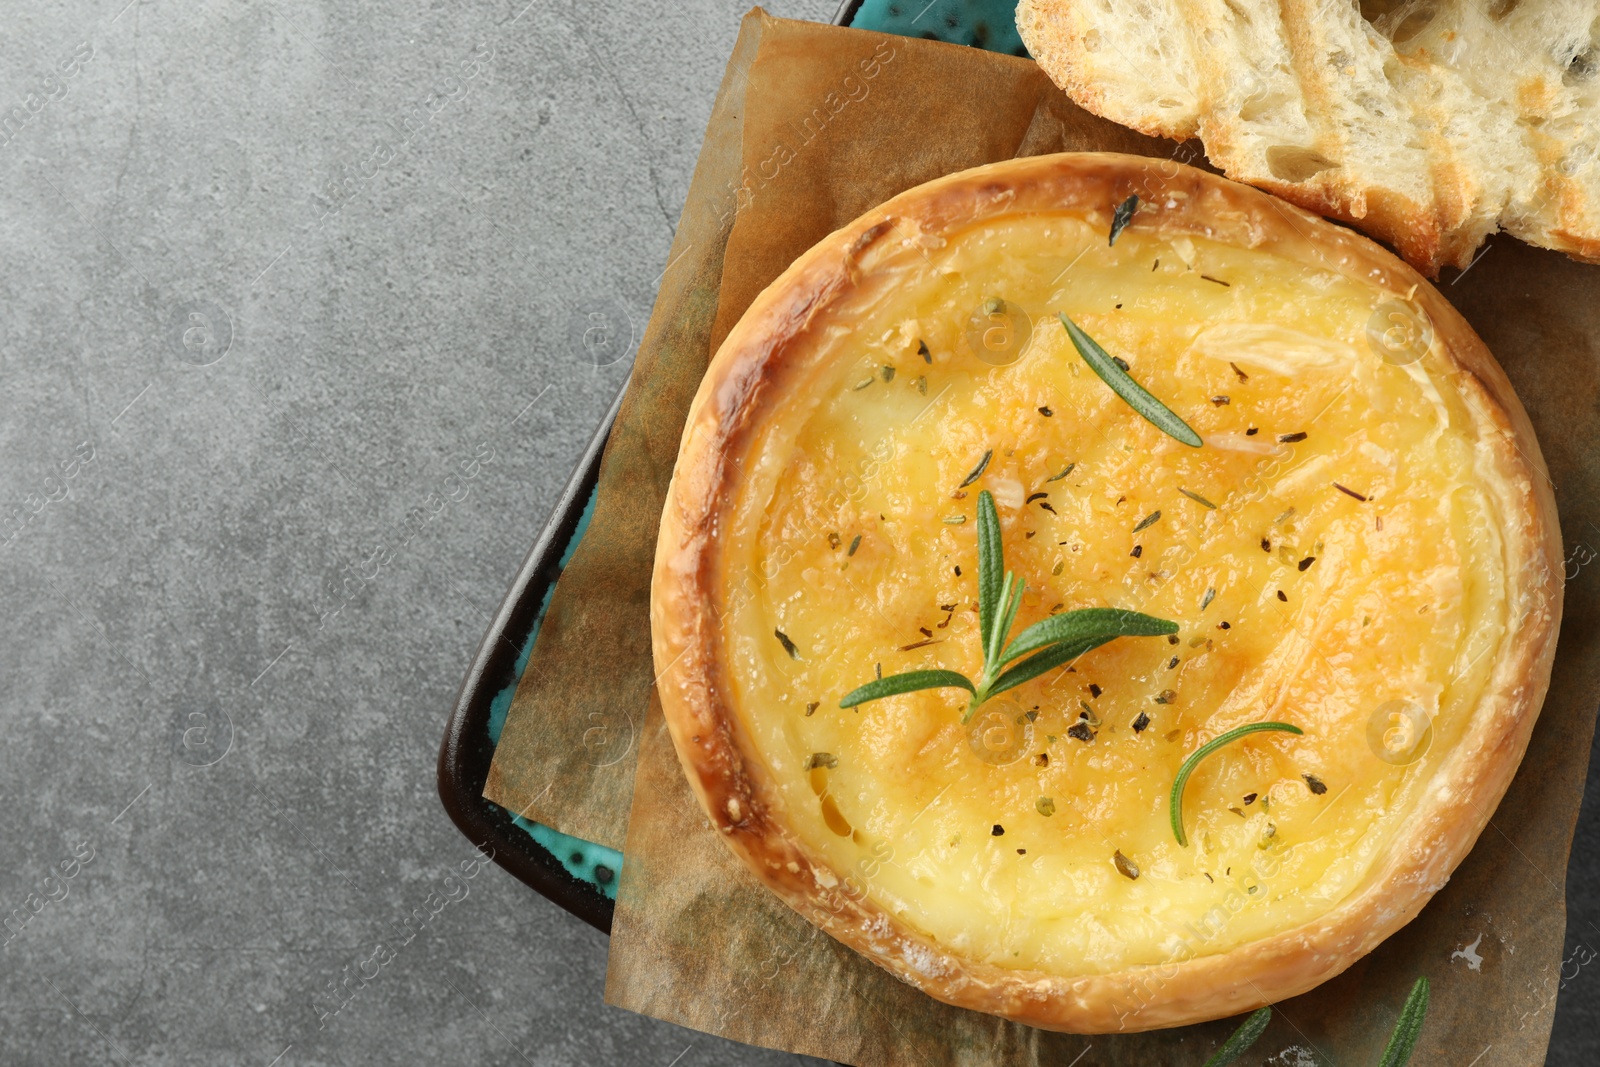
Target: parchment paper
{"x":699,"y":942}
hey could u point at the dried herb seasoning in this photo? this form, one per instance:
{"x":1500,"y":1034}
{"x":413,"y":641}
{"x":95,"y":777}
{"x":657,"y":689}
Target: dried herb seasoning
{"x":1205,"y":601}
{"x":1291,"y":438}
{"x":887,"y":372}
{"x":1138,"y":550}
{"x":1314,"y":784}
{"x":1243,"y":377}
{"x":1283,"y":596}
{"x":1121,"y":218}
{"x":1306,"y":563}
{"x":788,"y":645}
{"x":1126,"y":867}
{"x":1197,"y":498}
{"x":1063,"y":474}
{"x":1095,"y":691}
{"x":1140,"y":723}
{"x":977,"y":472}
{"x":1046,"y":412}
{"x":1349,"y":492}
{"x":855,"y":543}
{"x":922,"y":350}
{"x":1036,"y":496}
{"x":1082,"y":731}
{"x":822,"y":759}
{"x":1045,"y":806}
{"x":997,"y":831}
{"x":1219,"y":281}
{"x":1220,"y":399}
{"x":1148,"y":521}
{"x":811,"y":708}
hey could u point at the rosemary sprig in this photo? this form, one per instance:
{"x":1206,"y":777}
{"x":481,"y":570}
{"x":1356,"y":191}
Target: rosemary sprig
{"x":1046,"y":644}
{"x":1175,"y":804}
{"x":1397,"y":1053}
{"x":1404,"y":1039}
{"x":1249,"y":1030}
{"x":1138,"y":398}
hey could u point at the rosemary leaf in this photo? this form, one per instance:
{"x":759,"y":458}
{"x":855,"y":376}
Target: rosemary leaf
{"x":1085,"y":623}
{"x":909,"y":682}
{"x":1197,"y":498}
{"x":1249,"y":1030}
{"x":1041,"y":662}
{"x":1140,"y":400}
{"x":1121,"y":217}
{"x":991,"y":565}
{"x":1175,"y":804}
{"x":1404,"y":1039}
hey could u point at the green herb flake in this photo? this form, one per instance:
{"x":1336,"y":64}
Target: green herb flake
{"x":1175,"y":802}
{"x":1045,"y":806}
{"x":1205,"y":602}
{"x":1134,"y":394}
{"x":1197,"y":498}
{"x":811,"y":708}
{"x":922,"y":384}
{"x":887,"y":372}
{"x":1148,"y":521}
{"x":977,"y":472}
{"x":1063,"y":474}
{"x":954,"y":520}
{"x":1082,"y":731}
{"x":1121,"y":218}
{"x":854,"y":544}
{"x":822,"y":759}
{"x":863,"y":383}
{"x":788,"y":645}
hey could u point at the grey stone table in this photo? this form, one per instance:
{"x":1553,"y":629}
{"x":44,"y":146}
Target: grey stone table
{"x":280,"y":279}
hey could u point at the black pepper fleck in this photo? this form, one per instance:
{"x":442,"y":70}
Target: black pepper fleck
{"x":1140,"y":723}
{"x":998,"y":831}
{"x":1081,"y":731}
{"x":1315,"y":784}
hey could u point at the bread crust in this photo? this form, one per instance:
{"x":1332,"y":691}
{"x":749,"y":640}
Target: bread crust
{"x":744,"y":385}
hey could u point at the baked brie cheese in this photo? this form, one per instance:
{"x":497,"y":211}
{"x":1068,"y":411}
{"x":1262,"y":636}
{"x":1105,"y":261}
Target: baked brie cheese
{"x":1360,"y":541}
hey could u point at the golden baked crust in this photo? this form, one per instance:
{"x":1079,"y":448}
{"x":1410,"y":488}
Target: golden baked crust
{"x":770,"y":359}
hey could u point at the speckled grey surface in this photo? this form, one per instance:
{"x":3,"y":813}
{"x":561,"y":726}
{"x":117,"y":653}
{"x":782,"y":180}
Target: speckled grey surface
{"x":292,"y":300}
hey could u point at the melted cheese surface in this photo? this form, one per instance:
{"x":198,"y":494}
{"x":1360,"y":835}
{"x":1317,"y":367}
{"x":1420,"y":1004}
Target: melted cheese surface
{"x":1370,"y":624}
